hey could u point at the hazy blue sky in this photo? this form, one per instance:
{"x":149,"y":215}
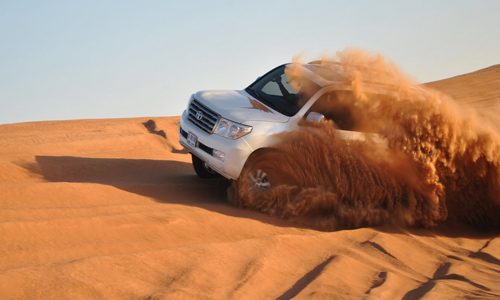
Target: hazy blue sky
{"x":99,"y":59}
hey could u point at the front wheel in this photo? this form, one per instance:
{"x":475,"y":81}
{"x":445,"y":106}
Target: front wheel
{"x":202,"y":169}
{"x":264,"y":172}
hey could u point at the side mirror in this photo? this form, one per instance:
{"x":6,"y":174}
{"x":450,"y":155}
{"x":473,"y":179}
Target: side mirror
{"x":315,"y":117}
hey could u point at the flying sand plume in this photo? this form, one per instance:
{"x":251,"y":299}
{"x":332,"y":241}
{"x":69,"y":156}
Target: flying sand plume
{"x":438,"y":161}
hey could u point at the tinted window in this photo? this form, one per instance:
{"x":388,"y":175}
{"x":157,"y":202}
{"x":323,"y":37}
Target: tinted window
{"x":335,"y":107}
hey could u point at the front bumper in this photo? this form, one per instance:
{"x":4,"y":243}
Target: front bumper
{"x":236,"y":151}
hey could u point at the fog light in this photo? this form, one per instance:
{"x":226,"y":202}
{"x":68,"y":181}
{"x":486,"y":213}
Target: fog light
{"x":218,"y":154}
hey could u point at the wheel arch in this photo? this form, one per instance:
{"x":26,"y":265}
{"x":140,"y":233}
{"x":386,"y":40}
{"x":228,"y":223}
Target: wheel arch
{"x":255,"y":153}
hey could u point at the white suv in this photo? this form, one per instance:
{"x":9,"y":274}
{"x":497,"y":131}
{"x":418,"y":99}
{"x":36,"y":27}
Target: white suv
{"x":222,"y":129}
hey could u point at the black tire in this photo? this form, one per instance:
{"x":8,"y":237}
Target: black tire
{"x":201,"y":168}
{"x":267,"y":168}
{"x":264,"y":171}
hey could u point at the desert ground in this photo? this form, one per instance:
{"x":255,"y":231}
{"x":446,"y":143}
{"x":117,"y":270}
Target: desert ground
{"x":107,"y":209}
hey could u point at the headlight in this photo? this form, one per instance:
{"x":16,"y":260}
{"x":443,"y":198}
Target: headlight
{"x":230,"y":129}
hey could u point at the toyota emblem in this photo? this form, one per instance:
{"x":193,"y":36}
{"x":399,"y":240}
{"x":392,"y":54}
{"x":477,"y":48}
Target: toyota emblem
{"x":199,"y":115}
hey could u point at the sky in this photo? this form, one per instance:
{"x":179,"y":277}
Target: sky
{"x":112,"y":59}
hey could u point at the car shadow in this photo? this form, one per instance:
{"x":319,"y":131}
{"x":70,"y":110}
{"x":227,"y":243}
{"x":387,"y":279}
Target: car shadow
{"x":164,"y":181}
{"x":169,"y":181}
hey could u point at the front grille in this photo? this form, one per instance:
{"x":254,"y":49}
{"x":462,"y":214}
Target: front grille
{"x":202,"y":116}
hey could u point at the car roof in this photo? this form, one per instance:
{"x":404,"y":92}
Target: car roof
{"x":321,"y":73}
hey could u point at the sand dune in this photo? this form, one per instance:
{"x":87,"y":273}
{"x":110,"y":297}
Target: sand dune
{"x":105,"y":209}
{"x":479,"y":90}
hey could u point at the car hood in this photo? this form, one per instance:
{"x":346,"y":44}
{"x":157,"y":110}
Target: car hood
{"x":238,"y":106}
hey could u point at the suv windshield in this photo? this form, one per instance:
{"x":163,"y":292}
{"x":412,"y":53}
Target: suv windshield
{"x":274,"y":90}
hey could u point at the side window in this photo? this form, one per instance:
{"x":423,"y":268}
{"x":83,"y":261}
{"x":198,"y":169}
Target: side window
{"x":334,"y":107}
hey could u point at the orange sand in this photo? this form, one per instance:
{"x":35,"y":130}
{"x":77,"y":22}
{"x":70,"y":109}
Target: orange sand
{"x":103,"y":209}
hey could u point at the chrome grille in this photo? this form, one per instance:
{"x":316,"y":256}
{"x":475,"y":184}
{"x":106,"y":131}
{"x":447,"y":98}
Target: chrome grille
{"x":202,"y":116}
